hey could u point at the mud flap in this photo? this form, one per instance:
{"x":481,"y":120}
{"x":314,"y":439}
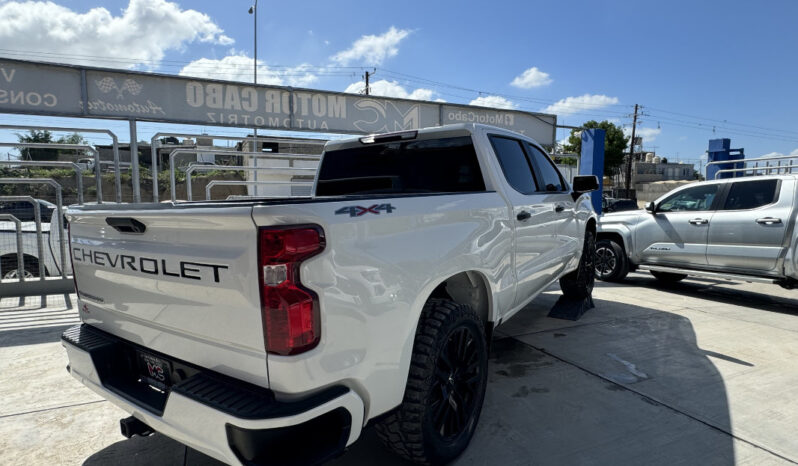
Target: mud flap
{"x":571,"y":309}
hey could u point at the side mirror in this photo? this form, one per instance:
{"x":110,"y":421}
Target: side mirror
{"x":585,"y":184}
{"x":651,"y":208}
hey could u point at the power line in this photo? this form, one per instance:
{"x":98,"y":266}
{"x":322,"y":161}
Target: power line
{"x":726,"y":122}
{"x":724,"y":129}
{"x":333,"y":71}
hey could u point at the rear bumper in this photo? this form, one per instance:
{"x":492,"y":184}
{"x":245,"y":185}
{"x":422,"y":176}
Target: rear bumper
{"x":229,"y":420}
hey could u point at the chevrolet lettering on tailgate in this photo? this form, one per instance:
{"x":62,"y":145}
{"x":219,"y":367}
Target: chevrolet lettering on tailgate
{"x":148,"y":265}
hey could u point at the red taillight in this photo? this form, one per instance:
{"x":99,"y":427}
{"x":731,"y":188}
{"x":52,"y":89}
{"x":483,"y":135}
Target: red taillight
{"x":291,"y":317}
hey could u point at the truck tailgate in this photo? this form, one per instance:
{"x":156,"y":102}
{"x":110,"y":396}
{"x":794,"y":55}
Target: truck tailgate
{"x":186,"y":286}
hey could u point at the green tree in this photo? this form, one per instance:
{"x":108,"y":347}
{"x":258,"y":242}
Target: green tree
{"x":615,"y":144}
{"x":46,"y":137}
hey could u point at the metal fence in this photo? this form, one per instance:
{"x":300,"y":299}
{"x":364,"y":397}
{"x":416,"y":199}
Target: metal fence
{"x":778,"y":165}
{"x":34,"y":194}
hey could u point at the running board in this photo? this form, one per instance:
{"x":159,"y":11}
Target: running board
{"x":707,"y":274}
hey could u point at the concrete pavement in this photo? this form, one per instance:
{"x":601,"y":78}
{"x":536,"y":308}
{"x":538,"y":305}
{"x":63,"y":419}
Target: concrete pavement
{"x":700,"y":372}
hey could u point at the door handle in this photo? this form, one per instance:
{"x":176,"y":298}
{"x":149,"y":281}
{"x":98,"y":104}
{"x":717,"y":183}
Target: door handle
{"x":559,"y":209}
{"x":768,"y":221}
{"x":698,"y":221}
{"x":523,"y":216}
{"x":126,"y":224}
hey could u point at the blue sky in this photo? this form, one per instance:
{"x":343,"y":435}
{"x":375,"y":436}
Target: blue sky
{"x":691,"y":65}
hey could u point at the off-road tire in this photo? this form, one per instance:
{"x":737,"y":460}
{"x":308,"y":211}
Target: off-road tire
{"x":417,"y":429}
{"x":579,"y":283}
{"x":612,"y":265}
{"x":668,"y":277}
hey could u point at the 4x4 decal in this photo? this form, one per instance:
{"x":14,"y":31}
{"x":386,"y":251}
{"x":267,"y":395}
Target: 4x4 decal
{"x":358,"y":211}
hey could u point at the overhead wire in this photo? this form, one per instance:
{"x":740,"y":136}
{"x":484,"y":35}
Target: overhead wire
{"x":441,"y":88}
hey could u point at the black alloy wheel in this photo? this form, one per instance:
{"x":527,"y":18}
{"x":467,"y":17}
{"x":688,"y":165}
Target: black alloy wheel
{"x":606,"y":261}
{"x":445,"y":386}
{"x":611,"y":264}
{"x":457,"y":385}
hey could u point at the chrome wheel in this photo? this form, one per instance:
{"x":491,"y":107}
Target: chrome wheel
{"x":14,"y":274}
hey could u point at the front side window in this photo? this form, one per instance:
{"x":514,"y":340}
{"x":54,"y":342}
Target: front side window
{"x":514,"y":164}
{"x":693,"y":199}
{"x":751,"y":194}
{"x":551,"y":180}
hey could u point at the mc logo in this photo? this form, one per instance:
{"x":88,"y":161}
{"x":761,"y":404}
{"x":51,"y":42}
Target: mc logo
{"x":387,"y":116}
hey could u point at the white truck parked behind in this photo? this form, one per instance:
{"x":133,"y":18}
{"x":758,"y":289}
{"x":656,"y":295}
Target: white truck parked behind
{"x":272,"y":331}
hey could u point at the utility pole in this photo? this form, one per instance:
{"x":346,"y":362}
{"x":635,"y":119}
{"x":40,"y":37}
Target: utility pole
{"x":631,"y":155}
{"x":253,"y":10}
{"x":368,"y":89}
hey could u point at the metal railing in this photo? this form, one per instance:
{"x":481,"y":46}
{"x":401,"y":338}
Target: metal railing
{"x":766,"y":169}
{"x":20,"y":252}
{"x":254,"y":155}
{"x":272,"y":171}
{"x":73,"y":165}
{"x":33,"y":231}
{"x":61,"y":129}
{"x":155,"y":145}
{"x":97,"y":169}
{"x":39,"y":240}
{"x":213,"y":183}
{"x":59,"y":212}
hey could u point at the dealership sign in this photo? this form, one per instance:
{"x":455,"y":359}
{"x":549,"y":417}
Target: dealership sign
{"x":62,"y":90}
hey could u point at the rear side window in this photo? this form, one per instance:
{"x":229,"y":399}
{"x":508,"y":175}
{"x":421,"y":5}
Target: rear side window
{"x":447,"y":165}
{"x":514,"y":164}
{"x":751,"y":194}
{"x":548,"y":175}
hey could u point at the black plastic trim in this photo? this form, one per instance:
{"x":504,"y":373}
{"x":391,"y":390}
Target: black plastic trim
{"x":312,"y":442}
{"x":114,"y":360}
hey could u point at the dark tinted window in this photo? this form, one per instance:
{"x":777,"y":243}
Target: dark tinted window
{"x":751,"y":194}
{"x":432,"y":166}
{"x":514,"y":164}
{"x":548,"y":175}
{"x":690,"y":199}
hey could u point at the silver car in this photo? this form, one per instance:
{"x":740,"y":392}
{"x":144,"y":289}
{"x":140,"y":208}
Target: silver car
{"x":740,"y":228}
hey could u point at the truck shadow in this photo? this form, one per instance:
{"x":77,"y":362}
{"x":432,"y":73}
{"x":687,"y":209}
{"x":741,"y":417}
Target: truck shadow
{"x":629,"y":387}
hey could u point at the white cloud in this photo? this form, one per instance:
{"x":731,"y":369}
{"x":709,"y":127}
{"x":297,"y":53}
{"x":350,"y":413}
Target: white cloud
{"x":779,"y":154}
{"x":530,"y":78}
{"x":494,"y":101}
{"x":571,"y":105}
{"x":141,"y":35}
{"x":371,"y":49}
{"x":648,"y":134}
{"x":238,"y":67}
{"x":392,"y":89}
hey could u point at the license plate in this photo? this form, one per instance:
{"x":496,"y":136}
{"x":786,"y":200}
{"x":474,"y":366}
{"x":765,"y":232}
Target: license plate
{"x":154,"y":370}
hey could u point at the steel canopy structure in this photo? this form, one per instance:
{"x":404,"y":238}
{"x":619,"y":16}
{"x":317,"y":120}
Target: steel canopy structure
{"x":40,"y":88}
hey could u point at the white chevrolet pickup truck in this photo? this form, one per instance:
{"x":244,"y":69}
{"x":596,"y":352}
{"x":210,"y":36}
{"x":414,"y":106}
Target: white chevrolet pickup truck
{"x":273,"y":331}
